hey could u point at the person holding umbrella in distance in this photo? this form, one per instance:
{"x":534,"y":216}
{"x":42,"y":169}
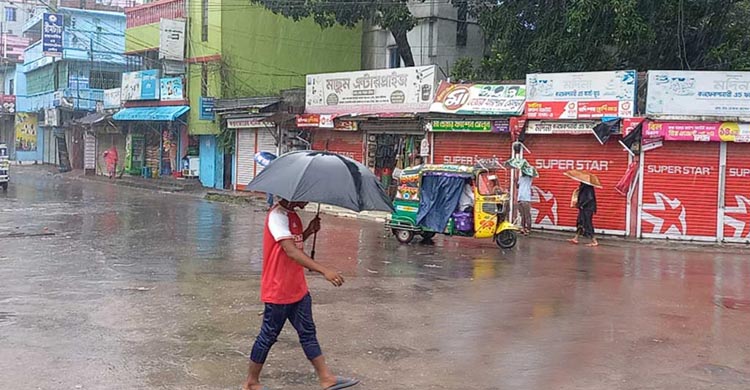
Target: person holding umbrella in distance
{"x":584,"y":199}
{"x":298,"y":178}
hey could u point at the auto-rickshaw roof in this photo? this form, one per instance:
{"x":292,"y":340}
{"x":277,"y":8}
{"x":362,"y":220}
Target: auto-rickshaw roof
{"x":444,"y":168}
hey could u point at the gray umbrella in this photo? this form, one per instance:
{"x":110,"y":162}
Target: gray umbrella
{"x":322,"y":177}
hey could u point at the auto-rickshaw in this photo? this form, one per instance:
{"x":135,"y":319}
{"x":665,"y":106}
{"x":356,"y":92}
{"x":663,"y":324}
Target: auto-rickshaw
{"x":4,"y":167}
{"x":455,"y":200}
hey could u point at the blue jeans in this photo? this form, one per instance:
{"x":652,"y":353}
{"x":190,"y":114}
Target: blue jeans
{"x":275,"y":316}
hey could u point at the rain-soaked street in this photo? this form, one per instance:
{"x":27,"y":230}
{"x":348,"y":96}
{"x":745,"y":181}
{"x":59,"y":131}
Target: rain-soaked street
{"x":106,"y":287}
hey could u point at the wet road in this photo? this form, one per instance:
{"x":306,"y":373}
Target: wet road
{"x":143,"y":290}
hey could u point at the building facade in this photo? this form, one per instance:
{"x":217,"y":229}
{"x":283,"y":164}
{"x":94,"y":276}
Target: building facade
{"x":443,"y":34}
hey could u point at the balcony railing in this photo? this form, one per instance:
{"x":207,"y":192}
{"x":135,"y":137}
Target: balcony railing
{"x":153,"y":12}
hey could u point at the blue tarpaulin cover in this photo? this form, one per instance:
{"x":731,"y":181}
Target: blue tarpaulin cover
{"x":439,"y":198}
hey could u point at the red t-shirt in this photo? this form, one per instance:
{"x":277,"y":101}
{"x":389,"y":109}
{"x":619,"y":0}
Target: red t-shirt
{"x":282,"y":279}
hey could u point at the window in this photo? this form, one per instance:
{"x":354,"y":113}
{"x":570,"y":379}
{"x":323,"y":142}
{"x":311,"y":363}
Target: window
{"x":394,"y":59}
{"x":10,"y":14}
{"x":11,"y":87}
{"x":461,"y":24}
{"x":204,"y":79}
{"x":105,"y":80}
{"x":204,"y":20}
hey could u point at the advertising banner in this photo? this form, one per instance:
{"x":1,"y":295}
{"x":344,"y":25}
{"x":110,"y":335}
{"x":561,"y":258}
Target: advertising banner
{"x":325,"y":122}
{"x":561,"y":127}
{"x":697,"y":93}
{"x":468,"y":126}
{"x":371,"y":92}
{"x":479,"y":99}
{"x":52,"y":35}
{"x":589,"y":95}
{"x":699,"y":131}
{"x":171,"y":89}
{"x":26,"y":128}
{"x":112,"y":98}
{"x":143,"y":85}
{"x":248,"y":123}
{"x":172,"y":39}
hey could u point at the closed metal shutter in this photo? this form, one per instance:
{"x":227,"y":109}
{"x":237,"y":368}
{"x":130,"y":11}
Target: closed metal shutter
{"x":680,"y":191}
{"x":347,"y":143}
{"x":551,"y":192}
{"x":89,"y":151}
{"x":245,"y":151}
{"x":470,"y":148}
{"x":49,"y":147}
{"x":737,"y":194}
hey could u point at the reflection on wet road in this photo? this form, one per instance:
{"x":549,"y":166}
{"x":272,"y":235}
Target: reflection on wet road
{"x":144,"y":290}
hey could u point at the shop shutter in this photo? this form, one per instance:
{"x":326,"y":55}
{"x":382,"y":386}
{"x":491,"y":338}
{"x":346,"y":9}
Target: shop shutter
{"x":680,"y":191}
{"x":737,"y":194}
{"x":89,"y":151}
{"x":553,"y":155}
{"x":464,"y":148}
{"x":266,"y":143}
{"x":245,"y":151}
{"x":347,"y":143}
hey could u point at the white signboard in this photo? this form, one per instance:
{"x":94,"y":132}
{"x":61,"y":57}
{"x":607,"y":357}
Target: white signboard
{"x":694,"y":93}
{"x":588,"y":95}
{"x":560,"y":127}
{"x":248,"y":123}
{"x":112,"y":98}
{"x":172,"y":39}
{"x":401,"y":90}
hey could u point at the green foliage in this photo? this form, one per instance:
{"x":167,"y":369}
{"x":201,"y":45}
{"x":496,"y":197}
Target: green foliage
{"x":392,"y":15}
{"x":527,"y":36}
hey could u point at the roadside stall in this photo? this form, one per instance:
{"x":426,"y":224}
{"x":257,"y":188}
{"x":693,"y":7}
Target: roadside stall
{"x":562,"y":111}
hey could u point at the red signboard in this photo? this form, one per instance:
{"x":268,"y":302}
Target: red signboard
{"x":553,"y":155}
{"x":680,"y":191}
{"x":737,"y":193}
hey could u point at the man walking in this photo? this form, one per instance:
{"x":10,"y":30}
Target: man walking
{"x":285,"y":294}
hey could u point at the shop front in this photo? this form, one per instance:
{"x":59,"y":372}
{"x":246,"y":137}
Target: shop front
{"x":697,"y":185}
{"x":152,"y":144}
{"x":252,"y":135}
{"x":333,"y":134}
{"x":470,"y":124}
{"x":559,"y":146}
{"x":563,"y":109}
{"x":391,"y":144}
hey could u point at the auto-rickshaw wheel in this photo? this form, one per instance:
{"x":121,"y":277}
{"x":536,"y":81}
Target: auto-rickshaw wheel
{"x":427,"y":235}
{"x":5,"y":186}
{"x":403,"y":236}
{"x":506,"y":239}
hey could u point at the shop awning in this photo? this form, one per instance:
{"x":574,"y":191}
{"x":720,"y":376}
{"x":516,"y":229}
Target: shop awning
{"x":166,"y":113}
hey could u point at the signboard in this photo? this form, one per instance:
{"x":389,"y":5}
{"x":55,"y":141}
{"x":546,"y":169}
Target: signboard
{"x":143,"y":85}
{"x":479,"y":99}
{"x":555,"y":127}
{"x":26,"y":127}
{"x":692,"y":93}
{"x":468,"y":126}
{"x":7,"y":104}
{"x":207,"y":108}
{"x":52,"y":35}
{"x":370,"y":92}
{"x":248,"y":123}
{"x":172,"y":39}
{"x":112,"y":98}
{"x":698,"y":131}
{"x":171,"y":89}
{"x":589,"y":95}
{"x":325,"y":122}
{"x":52,"y":117}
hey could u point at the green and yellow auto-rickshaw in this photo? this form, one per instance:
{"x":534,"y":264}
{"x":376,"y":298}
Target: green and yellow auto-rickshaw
{"x":454,"y":200}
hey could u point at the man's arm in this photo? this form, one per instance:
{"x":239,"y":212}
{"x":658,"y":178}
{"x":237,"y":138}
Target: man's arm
{"x":306,"y":261}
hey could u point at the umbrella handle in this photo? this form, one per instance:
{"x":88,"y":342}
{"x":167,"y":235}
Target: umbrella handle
{"x":315,"y":235}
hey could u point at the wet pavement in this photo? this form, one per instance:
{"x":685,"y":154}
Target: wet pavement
{"x":106,"y":287}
